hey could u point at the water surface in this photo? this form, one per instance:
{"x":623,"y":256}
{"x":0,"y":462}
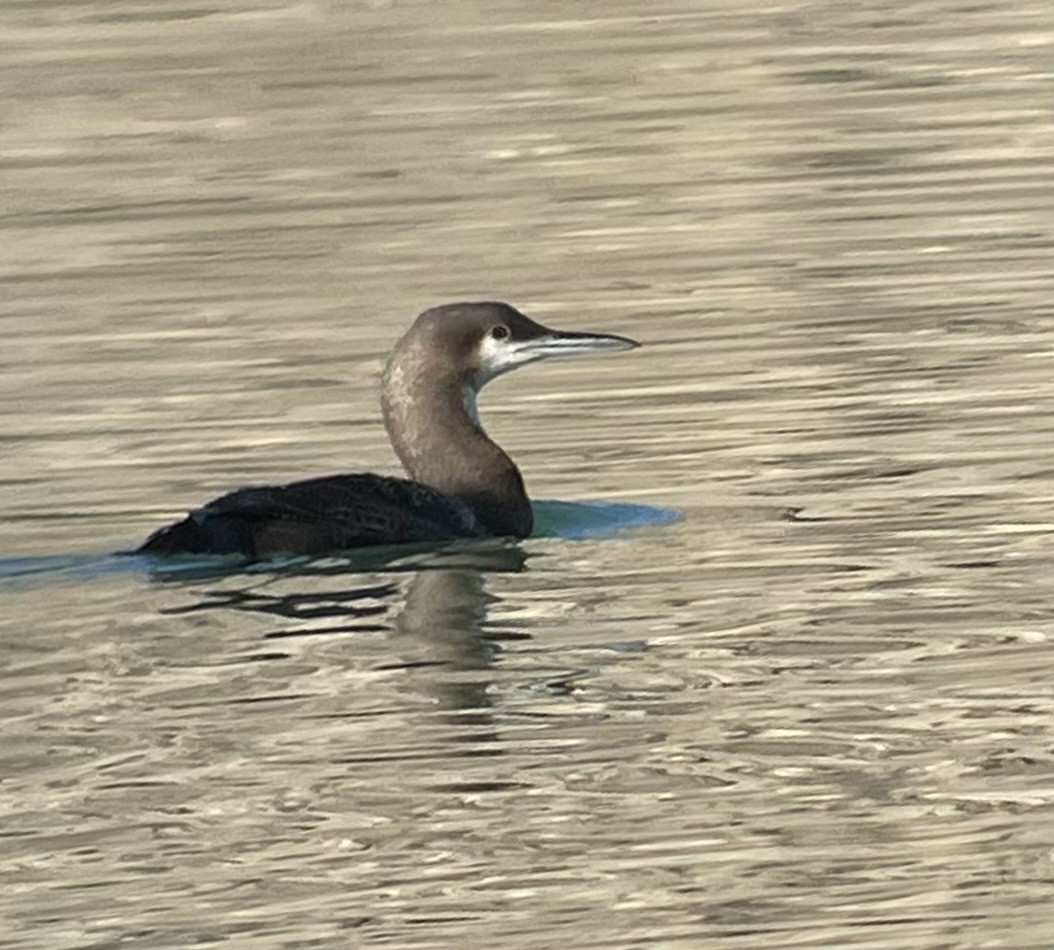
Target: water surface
{"x":815,"y":709}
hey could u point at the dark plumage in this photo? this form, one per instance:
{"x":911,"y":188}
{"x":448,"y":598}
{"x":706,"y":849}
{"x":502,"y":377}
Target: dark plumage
{"x":462,"y":484}
{"x":332,"y":513}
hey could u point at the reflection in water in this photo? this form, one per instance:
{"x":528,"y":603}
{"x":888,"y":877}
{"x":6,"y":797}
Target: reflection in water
{"x":445,"y":617}
{"x":305,"y":608}
{"x":581,"y":520}
{"x":441,"y":622}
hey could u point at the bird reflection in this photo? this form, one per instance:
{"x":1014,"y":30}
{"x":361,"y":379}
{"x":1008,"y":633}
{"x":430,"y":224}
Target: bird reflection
{"x":440,"y":623}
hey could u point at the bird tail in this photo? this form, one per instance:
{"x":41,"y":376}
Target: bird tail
{"x":197,"y":535}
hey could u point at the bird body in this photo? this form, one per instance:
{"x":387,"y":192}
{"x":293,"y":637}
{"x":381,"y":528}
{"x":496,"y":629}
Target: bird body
{"x":316,"y":515}
{"x":461,"y":485}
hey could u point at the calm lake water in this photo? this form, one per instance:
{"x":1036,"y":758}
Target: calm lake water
{"x":814,"y":710}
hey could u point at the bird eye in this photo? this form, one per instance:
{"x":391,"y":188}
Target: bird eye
{"x":500,"y":332}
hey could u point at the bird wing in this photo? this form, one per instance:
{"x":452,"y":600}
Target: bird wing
{"x":318,"y":515}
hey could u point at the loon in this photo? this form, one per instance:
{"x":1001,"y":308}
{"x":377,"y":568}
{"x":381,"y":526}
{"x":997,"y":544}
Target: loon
{"x":461,"y":484}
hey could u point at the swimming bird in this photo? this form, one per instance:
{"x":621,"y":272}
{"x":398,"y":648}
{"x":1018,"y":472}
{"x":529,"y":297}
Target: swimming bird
{"x":461,"y":483}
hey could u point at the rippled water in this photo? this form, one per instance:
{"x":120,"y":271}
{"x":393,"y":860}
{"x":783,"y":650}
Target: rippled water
{"x":815,"y":710}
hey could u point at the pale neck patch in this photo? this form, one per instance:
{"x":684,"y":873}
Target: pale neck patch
{"x":468,"y":400}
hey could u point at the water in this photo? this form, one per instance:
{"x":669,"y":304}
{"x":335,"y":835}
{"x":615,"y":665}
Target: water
{"x":814,"y":710}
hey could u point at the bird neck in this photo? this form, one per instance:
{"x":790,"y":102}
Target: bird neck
{"x":434,"y":428}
